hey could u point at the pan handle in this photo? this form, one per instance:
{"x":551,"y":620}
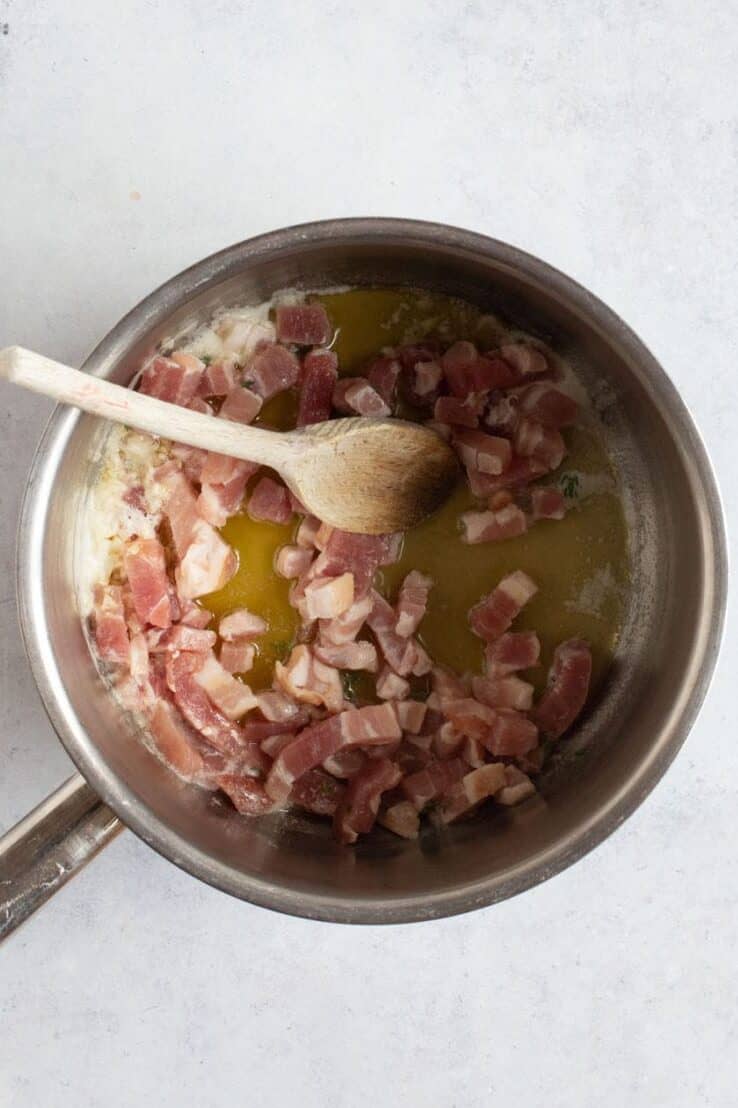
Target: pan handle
{"x":50,"y":845}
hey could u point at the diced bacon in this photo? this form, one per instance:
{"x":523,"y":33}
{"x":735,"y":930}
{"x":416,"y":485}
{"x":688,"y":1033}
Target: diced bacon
{"x":382,"y":375}
{"x":242,"y":336}
{"x":277,"y":707}
{"x":168,"y":379}
{"x":237,"y":656}
{"x":360,"y":555}
{"x":197,"y":404}
{"x":303,"y":324}
{"x":493,"y":526}
{"x":192,"y":458}
{"x":547,"y":502}
{"x":443,"y":430}
{"x":194,"y":616}
{"x":327,"y":597}
{"x":274,"y":744}
{"x":296,"y":504}
{"x":424,"y":383}
{"x":410,"y":715}
{"x":548,"y":405}
{"x":318,"y":792}
{"x":356,"y":395}
{"x":223,"y":485}
{"x":447,"y":741}
{"x":259,"y":730}
{"x":197,"y":708}
{"x":469,"y":717}
{"x":447,"y":685}
{"x":357,"y":812}
{"x":437,"y":777}
{"x":344,"y":628}
{"x":474,"y":753}
{"x":307,"y":531}
{"x":145,"y":566}
{"x":291,"y":561}
{"x":308,"y":680}
{"x":175,"y":740}
{"x":322,"y":535}
{"x":208,"y":564}
{"x":400,"y":654}
{"x":494,"y":614}
{"x":319,"y":375}
{"x":367,"y":726}
{"x":520,"y":472}
{"x":459,"y":413}
{"x":412,"y":602}
{"x":246,"y":794}
{"x":219,"y":378}
{"x":232,"y":697}
{"x":270,"y":501}
{"x":512,"y":651}
{"x":111,"y":633}
{"x":390,"y":547}
{"x":518,"y":787}
{"x":524,"y":359}
{"x":414,"y":753}
{"x":181,"y":637}
{"x":345,"y":763}
{"x":242,"y":624}
{"x":350,"y":655}
{"x":412,"y":353}
{"x":502,"y":415}
{"x":473,"y":788}
{"x":503,"y":692}
{"x":241,"y":405}
{"x":458,"y":359}
{"x":545,"y":445}
{"x":272,"y":370}
{"x":567,"y":690}
{"x":510,"y":734}
{"x":488,"y":454}
{"x":390,"y":686}
{"x":180,"y":508}
{"x":467,"y":371}
{"x":422,"y":663}
{"x":401,"y":818}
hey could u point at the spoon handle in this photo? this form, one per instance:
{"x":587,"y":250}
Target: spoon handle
{"x":146,"y":413}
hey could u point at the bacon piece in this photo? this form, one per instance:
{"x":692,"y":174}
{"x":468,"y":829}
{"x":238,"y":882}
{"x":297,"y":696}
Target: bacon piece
{"x":469,"y":717}
{"x":447,"y":741}
{"x":193,"y":616}
{"x":511,"y":734}
{"x":482,"y":453}
{"x":277,"y":707}
{"x":548,"y":405}
{"x":412,"y":353}
{"x":459,"y":413}
{"x":171,"y":380}
{"x":382,"y":375}
{"x":241,"y":405}
{"x":180,"y":508}
{"x":473,"y":788}
{"x":327,"y":597}
{"x":197,"y":708}
{"x":207,"y":564}
{"x":401,"y":654}
{"x":344,"y":552}
{"x":547,"y":502}
{"x":317,"y":792}
{"x":512,"y":651}
{"x":400,"y":818}
{"x":307,"y":532}
{"x":474,"y":752}
{"x":457,"y":363}
{"x":241,"y":624}
{"x":291,"y":561}
{"x":410,"y":715}
{"x":274,"y":744}
{"x":567,"y":690}
{"x":494,"y":614}
{"x":181,"y":637}
{"x":447,"y":685}
{"x":192,"y":459}
{"x":303,"y":324}
{"x":308,"y":680}
{"x":437,"y":777}
{"x":246,"y":794}
{"x":259,"y":730}
{"x":424,"y":383}
{"x":319,"y":375}
{"x":111,"y":633}
{"x":524,"y":359}
{"x":493,"y":526}
{"x":175,"y":740}
{"x":357,"y":812}
{"x":344,"y":628}
{"x":350,"y":655}
{"x":545,"y":445}
{"x":197,"y":404}
{"x":345,"y":763}
{"x":504,"y":692}
{"x":520,"y":472}
{"x":145,"y":566}
{"x":219,"y":378}
{"x":518,"y":787}
{"x":412,"y":602}
{"x":390,"y":686}
{"x":270,"y":501}
{"x":272,"y":370}
{"x":237,"y":656}
{"x":355,"y":394}
{"x":223,"y":485}
{"x":232,"y":697}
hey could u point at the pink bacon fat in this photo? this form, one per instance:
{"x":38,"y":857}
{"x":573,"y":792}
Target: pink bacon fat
{"x":567,"y":690}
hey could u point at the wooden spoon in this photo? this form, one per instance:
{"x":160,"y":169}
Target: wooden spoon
{"x":366,"y":475}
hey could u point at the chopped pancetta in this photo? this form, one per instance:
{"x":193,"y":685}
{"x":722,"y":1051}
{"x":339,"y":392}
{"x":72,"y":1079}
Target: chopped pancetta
{"x":493,"y":526}
{"x":319,"y":375}
{"x":432,"y":781}
{"x":175,"y":740}
{"x":357,"y":811}
{"x":354,"y":395}
{"x":111,"y":632}
{"x":350,"y":655}
{"x":412,"y":602}
{"x":512,"y":651}
{"x":473,"y":788}
{"x":526,"y":360}
{"x":483,"y":453}
{"x":303,"y":324}
{"x":411,"y":714}
{"x":237,"y":656}
{"x":401,"y":818}
{"x":458,"y":413}
{"x":207,"y":565}
{"x":382,"y":375}
{"x":547,"y":502}
{"x":219,"y":378}
{"x":241,"y":624}
{"x":291,"y":561}
{"x":345,"y":628}
{"x":493,"y":615}
{"x":308,"y":680}
{"x":169,"y":380}
{"x":518,"y":787}
{"x":548,"y":405}
{"x":232,"y":697}
{"x":241,"y":405}
{"x":181,"y":636}
{"x":247,"y":795}
{"x":270,"y":501}
{"x":504,"y":692}
{"x":567,"y":690}
{"x":145,"y":566}
{"x":510,"y":733}
{"x":318,"y":792}
{"x":271,"y":370}
{"x":223,"y":481}
{"x":543,"y":444}
{"x":327,"y":597}
{"x":391,"y":687}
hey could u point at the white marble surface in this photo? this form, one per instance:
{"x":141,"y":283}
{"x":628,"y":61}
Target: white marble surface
{"x":138,"y":137}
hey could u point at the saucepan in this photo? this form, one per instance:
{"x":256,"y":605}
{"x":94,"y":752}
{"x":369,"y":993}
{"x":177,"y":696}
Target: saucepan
{"x":290,"y":863}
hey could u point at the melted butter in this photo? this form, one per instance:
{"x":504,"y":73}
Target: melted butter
{"x":581,"y":557}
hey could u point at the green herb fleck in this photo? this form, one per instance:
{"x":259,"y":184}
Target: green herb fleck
{"x":569,"y":485}
{"x":206,"y":359}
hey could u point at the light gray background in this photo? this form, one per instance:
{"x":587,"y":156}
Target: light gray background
{"x":137,"y":137}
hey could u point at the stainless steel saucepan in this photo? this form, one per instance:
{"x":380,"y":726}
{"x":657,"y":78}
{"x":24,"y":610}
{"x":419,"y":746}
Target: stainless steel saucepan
{"x":658,"y":680}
